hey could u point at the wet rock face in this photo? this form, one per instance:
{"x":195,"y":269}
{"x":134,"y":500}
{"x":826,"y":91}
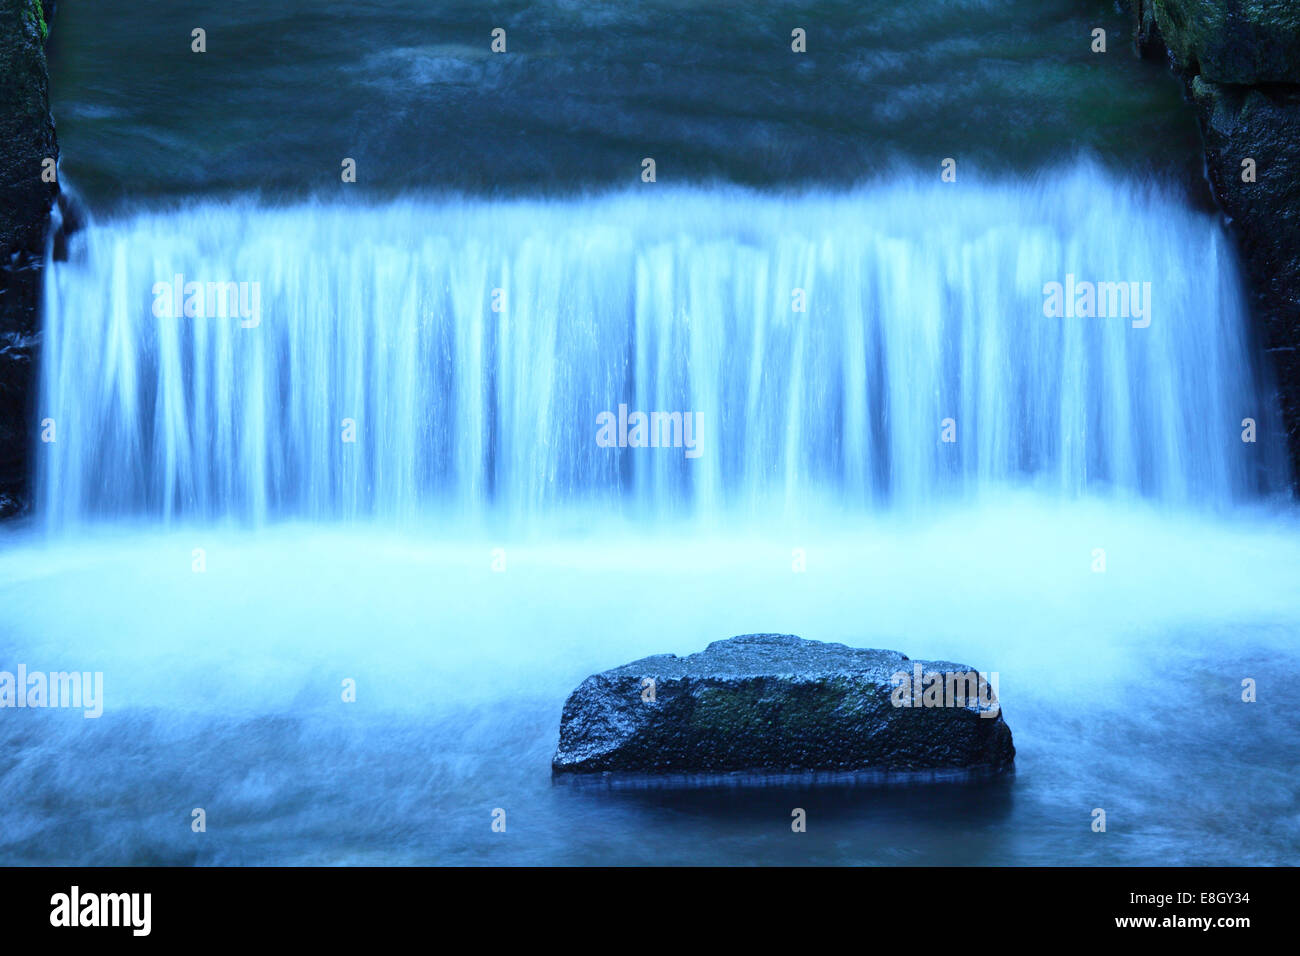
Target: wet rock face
{"x":26,"y":141}
{"x":1232,"y":41}
{"x":1240,"y":60}
{"x":1262,"y":124}
{"x":776,"y":703}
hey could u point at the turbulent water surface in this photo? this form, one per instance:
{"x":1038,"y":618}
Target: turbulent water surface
{"x":223,"y":689}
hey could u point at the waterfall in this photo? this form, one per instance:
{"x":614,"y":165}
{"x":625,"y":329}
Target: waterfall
{"x":884,"y":347}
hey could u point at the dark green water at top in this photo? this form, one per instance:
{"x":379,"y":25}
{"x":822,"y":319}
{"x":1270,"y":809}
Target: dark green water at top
{"x":585,"y":91}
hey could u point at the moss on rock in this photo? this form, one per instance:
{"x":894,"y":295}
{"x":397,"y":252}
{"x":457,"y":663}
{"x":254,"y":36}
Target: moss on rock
{"x":36,"y":17}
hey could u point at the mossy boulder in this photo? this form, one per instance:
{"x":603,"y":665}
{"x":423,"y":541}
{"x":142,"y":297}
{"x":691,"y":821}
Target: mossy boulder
{"x":775,"y":704}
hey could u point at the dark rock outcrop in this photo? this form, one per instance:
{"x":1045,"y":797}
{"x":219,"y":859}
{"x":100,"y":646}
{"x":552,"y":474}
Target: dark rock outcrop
{"x":26,"y":142}
{"x":1238,"y":42}
{"x":775,"y":704}
{"x":1240,"y":61}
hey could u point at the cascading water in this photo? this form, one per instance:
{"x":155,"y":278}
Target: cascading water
{"x":457,"y":354}
{"x":1098,"y":533}
{"x":1110,"y":443}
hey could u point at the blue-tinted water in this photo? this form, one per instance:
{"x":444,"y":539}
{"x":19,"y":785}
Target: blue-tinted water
{"x":208,"y":537}
{"x":222,"y":689}
{"x":584,"y":92}
{"x":885,"y":347}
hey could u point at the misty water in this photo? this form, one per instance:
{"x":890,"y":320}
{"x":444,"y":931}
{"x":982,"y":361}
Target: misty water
{"x":222,"y":689}
{"x":204,"y":536}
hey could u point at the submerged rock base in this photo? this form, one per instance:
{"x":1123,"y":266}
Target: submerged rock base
{"x":778,"y":708}
{"x":741,"y":780}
